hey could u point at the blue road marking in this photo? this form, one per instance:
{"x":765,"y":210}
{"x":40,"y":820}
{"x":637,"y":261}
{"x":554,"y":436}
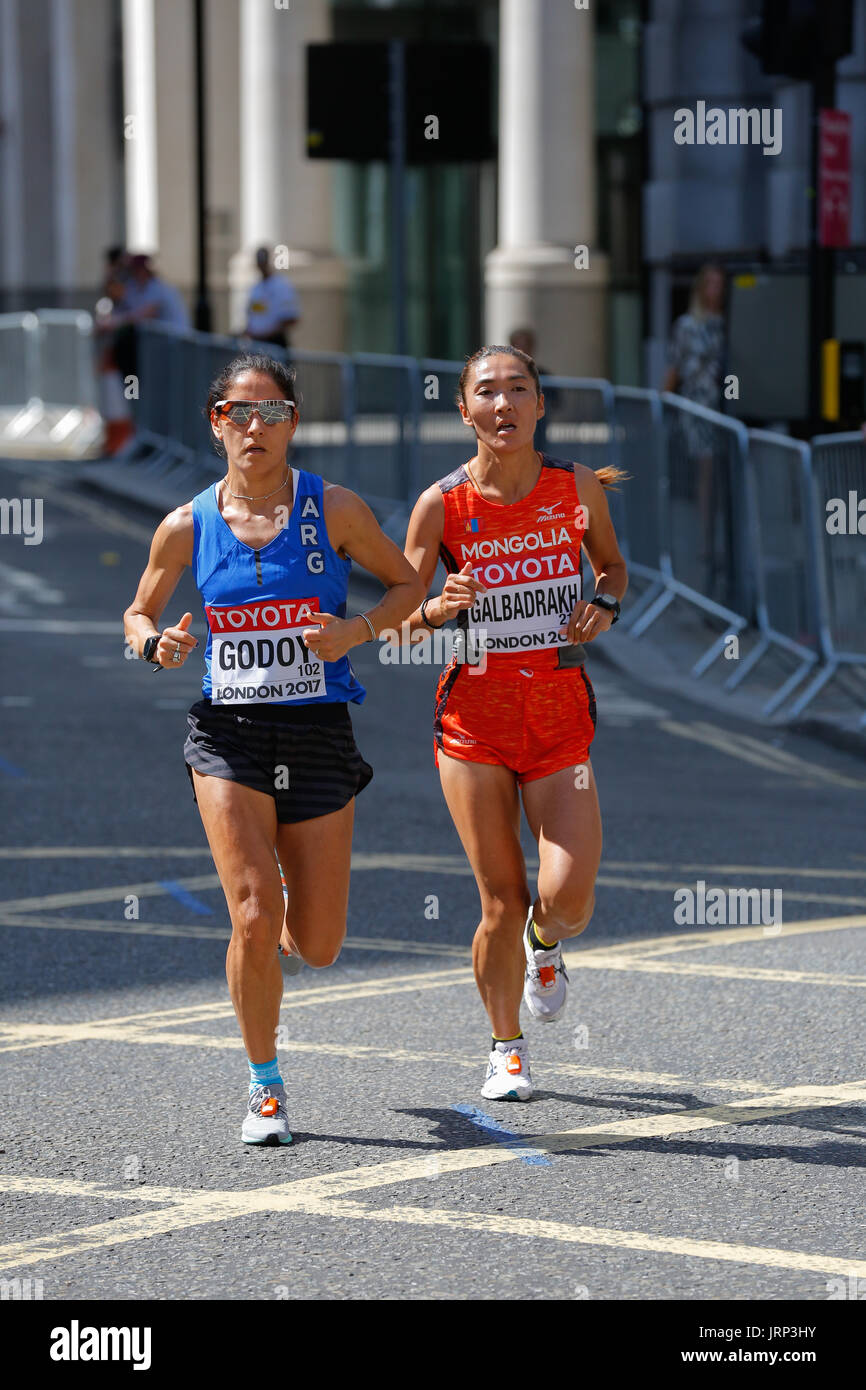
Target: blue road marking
{"x":10,"y":769}
{"x":504,"y":1136}
{"x":194,"y":904}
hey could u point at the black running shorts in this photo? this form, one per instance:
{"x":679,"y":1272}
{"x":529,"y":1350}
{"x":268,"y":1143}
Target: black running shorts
{"x":304,"y":756}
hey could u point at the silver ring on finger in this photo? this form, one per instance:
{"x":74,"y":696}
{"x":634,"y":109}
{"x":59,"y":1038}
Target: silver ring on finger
{"x":176,"y":657}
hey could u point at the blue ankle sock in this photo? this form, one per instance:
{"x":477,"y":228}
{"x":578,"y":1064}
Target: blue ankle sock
{"x":265,"y":1074}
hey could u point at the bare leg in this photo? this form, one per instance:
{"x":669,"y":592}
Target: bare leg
{"x":241,"y":826}
{"x":484,"y":806}
{"x":316,"y":858}
{"x":566,"y":821}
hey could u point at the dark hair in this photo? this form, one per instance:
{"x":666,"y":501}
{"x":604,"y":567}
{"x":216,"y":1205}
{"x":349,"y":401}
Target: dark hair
{"x":492,"y":351}
{"x":281,"y":374}
{"x":607,"y":476}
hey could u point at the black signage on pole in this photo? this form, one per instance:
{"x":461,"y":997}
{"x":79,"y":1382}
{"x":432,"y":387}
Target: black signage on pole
{"x":447,"y":102}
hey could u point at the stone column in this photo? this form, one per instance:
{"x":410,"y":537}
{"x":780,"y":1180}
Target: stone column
{"x":547,"y":189}
{"x":139,"y":99}
{"x":285,"y":197}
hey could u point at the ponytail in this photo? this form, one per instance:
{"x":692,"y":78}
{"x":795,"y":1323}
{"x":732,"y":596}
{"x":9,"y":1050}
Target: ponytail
{"x":610,"y":475}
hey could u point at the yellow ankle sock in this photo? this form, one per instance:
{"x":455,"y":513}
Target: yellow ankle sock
{"x":545,"y":945}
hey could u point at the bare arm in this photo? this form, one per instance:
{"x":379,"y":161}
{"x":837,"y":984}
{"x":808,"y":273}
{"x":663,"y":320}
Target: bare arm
{"x":602,"y":549}
{"x":354,"y":531}
{"x":423,"y":538}
{"x":671,"y":379}
{"x":170,"y":553}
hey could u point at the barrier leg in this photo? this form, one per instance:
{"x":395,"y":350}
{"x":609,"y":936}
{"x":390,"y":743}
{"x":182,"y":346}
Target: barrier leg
{"x":635,"y":610}
{"x":812,"y":690}
{"x":745,"y":666}
{"x":715,"y":650}
{"x":654,"y":611}
{"x":785,"y":690}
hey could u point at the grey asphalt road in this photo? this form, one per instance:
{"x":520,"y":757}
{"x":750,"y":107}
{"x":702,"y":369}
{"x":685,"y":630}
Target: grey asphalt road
{"x":698,"y":1130}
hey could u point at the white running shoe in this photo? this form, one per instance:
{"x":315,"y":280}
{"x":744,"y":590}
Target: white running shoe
{"x":508,"y":1076}
{"x":267,"y":1121}
{"x":545,"y":984}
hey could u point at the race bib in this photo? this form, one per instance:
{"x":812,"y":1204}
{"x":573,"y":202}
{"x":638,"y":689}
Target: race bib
{"x":523,"y":617}
{"x":258,"y":655}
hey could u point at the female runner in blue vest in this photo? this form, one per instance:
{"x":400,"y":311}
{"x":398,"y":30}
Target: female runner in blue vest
{"x":270,"y":752}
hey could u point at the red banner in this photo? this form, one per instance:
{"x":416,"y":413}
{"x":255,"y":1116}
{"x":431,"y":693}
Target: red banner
{"x":834,"y":178}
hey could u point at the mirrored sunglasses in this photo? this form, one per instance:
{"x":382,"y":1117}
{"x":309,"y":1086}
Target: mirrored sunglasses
{"x":269,"y":412}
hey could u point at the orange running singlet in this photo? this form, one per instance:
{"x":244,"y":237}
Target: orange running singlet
{"x":530,"y":705}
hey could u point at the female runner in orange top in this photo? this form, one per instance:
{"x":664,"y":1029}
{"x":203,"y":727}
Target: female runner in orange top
{"x":515,"y":710}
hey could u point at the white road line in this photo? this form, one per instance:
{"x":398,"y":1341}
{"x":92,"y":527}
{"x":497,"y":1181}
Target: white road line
{"x":12,"y":1036}
{"x":106,"y":518}
{"x":310,"y":1195}
{"x":23,"y":585}
{"x":64,"y":626}
{"x":740,"y":871}
{"x":30,"y":1184}
{"x":723,"y":972}
{"x":437,"y":861}
{"x":536,"y":1229}
{"x":394,"y":946}
{"x":711,"y":938}
{"x":752,"y":751}
{"x":107,"y":852}
{"x":445,"y":862}
{"x":360,"y":863}
{"x":655,"y":885}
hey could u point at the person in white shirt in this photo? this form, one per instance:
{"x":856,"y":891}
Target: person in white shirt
{"x":272,"y":306}
{"x":145,"y":297}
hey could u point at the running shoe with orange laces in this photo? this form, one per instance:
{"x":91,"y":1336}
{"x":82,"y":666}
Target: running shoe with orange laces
{"x":545,"y":984}
{"x":267,"y":1120}
{"x":508,"y":1075}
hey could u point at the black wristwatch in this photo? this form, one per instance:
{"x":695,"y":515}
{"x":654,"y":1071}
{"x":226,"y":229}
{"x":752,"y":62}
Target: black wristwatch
{"x":150,"y":646}
{"x":609,"y":604}
{"x":434,"y":627}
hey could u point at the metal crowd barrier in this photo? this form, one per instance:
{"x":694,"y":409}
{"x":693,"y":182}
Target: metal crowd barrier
{"x":728,"y":520}
{"x":686,"y":517}
{"x":781,"y":543}
{"x":48,"y":385}
{"x":638,"y":435}
{"x":838,"y":532}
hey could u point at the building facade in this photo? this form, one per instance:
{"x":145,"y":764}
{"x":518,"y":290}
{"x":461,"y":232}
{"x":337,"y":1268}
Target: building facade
{"x":585,"y":228}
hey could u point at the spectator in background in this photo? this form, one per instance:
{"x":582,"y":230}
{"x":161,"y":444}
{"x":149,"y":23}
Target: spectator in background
{"x":698,"y":342}
{"x":116,"y":274}
{"x":146,"y":297}
{"x":696,"y":371}
{"x":273,"y":307}
{"x":133,"y":294}
{"x":150,"y":297}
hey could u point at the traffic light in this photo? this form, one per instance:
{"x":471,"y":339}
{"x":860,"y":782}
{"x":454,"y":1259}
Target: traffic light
{"x":797,"y":37}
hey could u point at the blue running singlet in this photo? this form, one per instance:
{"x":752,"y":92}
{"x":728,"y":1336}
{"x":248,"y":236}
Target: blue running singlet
{"x":257,"y":603}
